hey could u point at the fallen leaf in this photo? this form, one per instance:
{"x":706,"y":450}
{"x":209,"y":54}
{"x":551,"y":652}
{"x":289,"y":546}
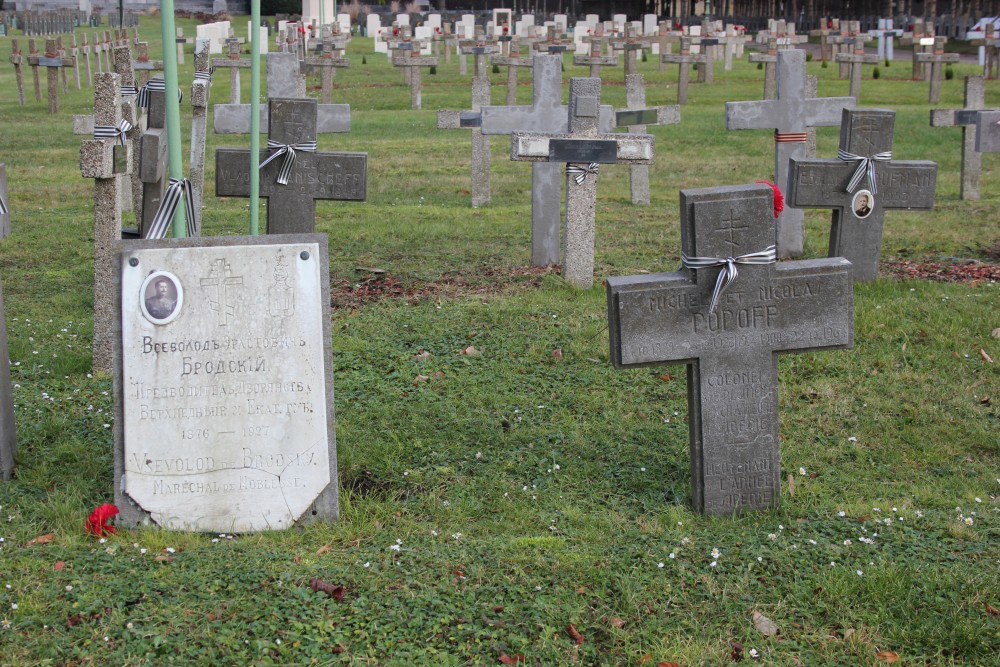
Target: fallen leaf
{"x":41,"y":539}
{"x":59,"y":565}
{"x":511,"y":659}
{"x":497,"y":609}
{"x":848,"y":632}
{"x":581,"y":591}
{"x":420,"y":378}
{"x":888,"y":656}
{"x":764,"y":625}
{"x":737,"y":653}
{"x":667,"y":664}
{"x":297,"y":559}
{"x":987,"y":358}
{"x":438,"y":375}
{"x":333,"y":590}
{"x":644,"y":659}
{"x":163,"y":558}
{"x":666,"y":377}
{"x":575,"y":634}
{"x":470,"y":351}
{"x":791,"y":486}
{"x":557,"y":353}
{"x":993,"y":610}
{"x":423,"y":355}
{"x":323,"y":549}
{"x":617,"y":622}
{"x":339,"y":649}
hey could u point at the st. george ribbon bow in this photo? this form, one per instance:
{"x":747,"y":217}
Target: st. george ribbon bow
{"x":579,"y":171}
{"x":729,"y":272}
{"x":288,"y":150}
{"x":866,"y":166}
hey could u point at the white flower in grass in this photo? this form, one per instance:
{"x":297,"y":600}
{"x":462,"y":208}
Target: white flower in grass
{"x":802,"y":471}
{"x":716,"y":553}
{"x":394,"y":547}
{"x":847,"y":543}
{"x":979,"y":500}
{"x":760,"y":559}
{"x":860,"y":573}
{"x":367,"y":564}
{"x":852,"y":439}
{"x":5,"y":624}
{"x":456,"y":536}
{"x":919,"y":514}
{"x":660,"y":564}
{"x":713,"y":563}
{"x":754,"y":654}
{"x":672,"y":555}
{"x":772,"y":536}
{"x":13,"y":605}
{"x":685,"y":541}
{"x":969,"y":520}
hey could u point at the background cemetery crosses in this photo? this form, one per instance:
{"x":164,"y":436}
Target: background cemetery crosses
{"x":975,"y":99}
{"x":731,"y":353}
{"x":253,"y":448}
{"x":822,"y":183}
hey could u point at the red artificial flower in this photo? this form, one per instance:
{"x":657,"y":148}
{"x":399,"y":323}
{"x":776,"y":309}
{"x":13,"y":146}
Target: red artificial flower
{"x":97,"y":523}
{"x":779,"y":199}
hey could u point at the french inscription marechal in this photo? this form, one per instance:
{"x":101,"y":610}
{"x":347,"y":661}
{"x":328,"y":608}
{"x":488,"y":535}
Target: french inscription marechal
{"x":224,"y":392}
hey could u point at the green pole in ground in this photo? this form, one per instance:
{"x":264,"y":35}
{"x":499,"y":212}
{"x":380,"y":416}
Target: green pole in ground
{"x":255,"y":118}
{"x":176,"y":168}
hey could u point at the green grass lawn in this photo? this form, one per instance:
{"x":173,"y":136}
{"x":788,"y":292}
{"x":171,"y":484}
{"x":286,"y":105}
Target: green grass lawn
{"x":528,"y":502}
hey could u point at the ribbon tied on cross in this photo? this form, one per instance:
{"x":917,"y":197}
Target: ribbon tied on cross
{"x":155,"y":85}
{"x":866,"y":166}
{"x":178,"y":188}
{"x":288,"y":150}
{"x":3,"y":206}
{"x":132,"y":89}
{"x":204,"y":75}
{"x":111,"y":132}
{"x":729,"y":271}
{"x":579,"y":172}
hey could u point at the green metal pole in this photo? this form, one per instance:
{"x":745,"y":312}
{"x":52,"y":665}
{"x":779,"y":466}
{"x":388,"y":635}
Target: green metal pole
{"x":255,"y":118}
{"x":173,"y":116}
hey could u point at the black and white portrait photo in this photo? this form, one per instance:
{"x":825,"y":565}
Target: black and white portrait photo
{"x":161,"y":297}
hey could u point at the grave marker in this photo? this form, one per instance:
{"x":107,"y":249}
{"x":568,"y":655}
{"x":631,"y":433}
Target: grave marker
{"x":85,"y":48}
{"x":153,"y":160}
{"x":595,"y":57}
{"x":327,"y":64}
{"x":234,"y":62}
{"x":4,"y":205}
{"x":33,"y":57}
{"x":53,"y":62}
{"x":683,"y":60}
{"x":16,"y":59}
{"x":236,"y":435}
{"x":729,"y":330}
{"x":975,"y":99}
{"x":201,"y":90}
{"x":291,"y":156}
{"x":936,"y":58}
{"x":636,"y":117}
{"x":770,"y":60}
{"x":855,"y":59}
{"x":860,"y":186}
{"x":582,"y":149}
{"x":512,"y":62}
{"x":789,"y":114}
{"x":413,"y":64}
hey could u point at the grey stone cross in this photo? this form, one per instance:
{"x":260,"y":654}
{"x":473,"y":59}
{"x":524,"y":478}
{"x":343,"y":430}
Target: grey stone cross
{"x":636,"y":117}
{"x":582,"y":149}
{"x":291,"y":208}
{"x":731,"y":351}
{"x":595,"y":58}
{"x":859,"y":211}
{"x":327,"y":63}
{"x":770,"y":60}
{"x":855,"y":59}
{"x":234,"y":62}
{"x":153,"y":160}
{"x":683,"y":60}
{"x":413,"y":64}
{"x":16,"y":59}
{"x":936,"y":58}
{"x":52,"y":61}
{"x":789,"y":114}
{"x":8,"y":431}
{"x":144,"y":65}
{"x":975,"y":99}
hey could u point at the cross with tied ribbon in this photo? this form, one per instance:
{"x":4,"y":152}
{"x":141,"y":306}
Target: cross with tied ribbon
{"x":864,"y":159}
{"x":729,"y":331}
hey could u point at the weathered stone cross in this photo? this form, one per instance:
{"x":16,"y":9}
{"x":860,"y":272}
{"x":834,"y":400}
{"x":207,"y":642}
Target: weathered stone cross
{"x":512,"y":62}
{"x":153,"y":160}
{"x":413,"y":64}
{"x":52,"y":62}
{"x":16,"y":59}
{"x":144,"y":65}
{"x":582,"y":149}
{"x":234,"y":62}
{"x":731,"y":347}
{"x":855,"y":59}
{"x":595,"y":59}
{"x":327,"y":62}
{"x":636,"y":117}
{"x":972,"y":161}
{"x":789,"y":114}
{"x":846,"y":185}
{"x":684,"y":59}
{"x":291,"y":207}
{"x":936,"y":58}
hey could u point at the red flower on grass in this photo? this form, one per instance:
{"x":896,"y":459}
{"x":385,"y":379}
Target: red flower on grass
{"x":97,"y":522}
{"x":779,"y":199}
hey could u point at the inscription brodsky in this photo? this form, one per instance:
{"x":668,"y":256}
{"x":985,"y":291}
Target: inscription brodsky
{"x":225,"y":390}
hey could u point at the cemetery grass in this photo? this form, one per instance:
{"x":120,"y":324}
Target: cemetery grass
{"x":506,"y":495}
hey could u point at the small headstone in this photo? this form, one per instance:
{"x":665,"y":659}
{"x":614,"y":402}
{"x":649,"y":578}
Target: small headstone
{"x":859,"y":201}
{"x":224,"y":385}
{"x":731,"y":341}
{"x":975,"y":99}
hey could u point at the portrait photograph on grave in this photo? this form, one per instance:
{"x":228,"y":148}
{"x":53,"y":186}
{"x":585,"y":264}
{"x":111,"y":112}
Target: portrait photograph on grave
{"x":162,"y":297}
{"x":862,"y":203}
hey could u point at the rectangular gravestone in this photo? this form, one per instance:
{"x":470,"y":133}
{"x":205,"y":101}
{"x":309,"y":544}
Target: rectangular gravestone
{"x":8,"y":434}
{"x":730,"y":343}
{"x":224,"y":417}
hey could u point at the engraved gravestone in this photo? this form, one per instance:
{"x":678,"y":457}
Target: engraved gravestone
{"x":223,"y":384}
{"x":728,"y":325}
{"x":8,"y":434}
{"x":860,"y":186}
{"x":972,"y":161}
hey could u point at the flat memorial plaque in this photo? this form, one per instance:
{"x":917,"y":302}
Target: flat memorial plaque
{"x":636,"y":117}
{"x":225,"y":390}
{"x":582,"y":150}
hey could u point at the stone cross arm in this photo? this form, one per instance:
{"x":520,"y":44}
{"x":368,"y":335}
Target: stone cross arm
{"x":987,"y":122}
{"x":322,"y":175}
{"x":787,"y":115}
{"x":235,"y":118}
{"x":661,"y":115}
{"x":599,"y":149}
{"x":512,"y":61}
{"x":549,"y":116}
{"x":581,"y":60}
{"x":865,"y":58}
{"x":902,"y":184}
{"x":323,"y":61}
{"x":676,"y":58}
{"x":231,"y":62}
{"x":937,"y":57}
{"x":421,"y":61}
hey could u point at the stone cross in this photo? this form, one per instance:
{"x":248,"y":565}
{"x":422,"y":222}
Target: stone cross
{"x":595,"y":59}
{"x":53,"y":62}
{"x":512,"y":62}
{"x":770,"y":60}
{"x":731,"y":350}
{"x":989,"y":50}
{"x":631,"y":46}
{"x":824,"y":34}
{"x":413,"y":65}
{"x":683,"y":60}
{"x":552,"y":43}
{"x":33,"y":57}
{"x":181,"y":40}
{"x":855,"y":59}
{"x":665,"y":38}
{"x":987,"y":124}
{"x":327,"y":63}
{"x":636,"y":117}
{"x":291,"y":207}
{"x":98,"y":49}
{"x":975,"y":99}
{"x":106,"y":160}
{"x":201,"y":91}
{"x":582,"y":149}
{"x":789,"y":115}
{"x":472,"y":120}
{"x":284,"y":79}
{"x":153,"y":160}
{"x":85,"y":49}
{"x":546,"y":113}
{"x":8,"y":431}
{"x":16,"y":59}
{"x":859,"y":203}
{"x":4,"y":203}
{"x":921,"y":39}
{"x":131,"y":112}
{"x":936,"y":59}
{"x":234,"y":62}
{"x":74,"y":53}
{"x":706,"y":68}
{"x":144,"y":65}
{"x":60,"y":52}
{"x":850,"y":40}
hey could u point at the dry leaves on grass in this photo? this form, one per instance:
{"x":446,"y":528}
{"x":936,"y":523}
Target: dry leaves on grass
{"x":470,"y":351}
{"x":764,"y":625}
{"x":515,"y":659}
{"x":41,"y":539}
{"x":888,"y":656}
{"x":575,"y":634}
